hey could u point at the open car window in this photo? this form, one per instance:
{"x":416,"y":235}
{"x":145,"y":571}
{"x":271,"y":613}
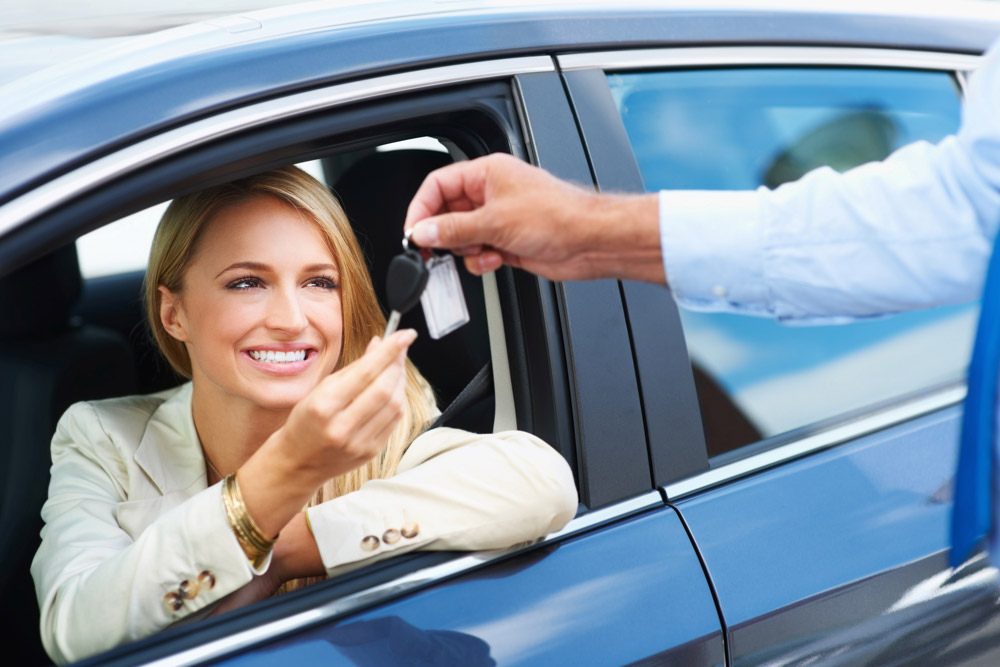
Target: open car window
{"x":372,"y":162}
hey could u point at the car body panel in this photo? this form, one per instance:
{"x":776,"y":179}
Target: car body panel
{"x":606,"y":597}
{"x":844,"y":554}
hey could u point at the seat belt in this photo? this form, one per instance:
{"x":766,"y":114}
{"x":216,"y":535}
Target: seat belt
{"x":479,"y":386}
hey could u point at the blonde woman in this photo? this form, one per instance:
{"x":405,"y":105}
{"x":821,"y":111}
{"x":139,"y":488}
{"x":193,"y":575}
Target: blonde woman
{"x":191,"y":501}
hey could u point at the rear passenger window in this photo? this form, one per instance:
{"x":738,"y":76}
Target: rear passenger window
{"x":744,"y":128}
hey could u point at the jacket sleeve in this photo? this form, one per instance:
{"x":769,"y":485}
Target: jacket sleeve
{"x":453,"y":490}
{"x":97,"y":586}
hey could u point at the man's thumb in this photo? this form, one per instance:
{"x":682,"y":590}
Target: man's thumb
{"x":450,"y":230}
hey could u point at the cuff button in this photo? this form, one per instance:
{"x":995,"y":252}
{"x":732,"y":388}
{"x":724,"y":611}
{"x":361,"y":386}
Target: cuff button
{"x":390,"y":536}
{"x":410,"y":531}
{"x":188,"y":589}
{"x":173,"y":601}
{"x":369,"y":542}
{"x":206,"y":579}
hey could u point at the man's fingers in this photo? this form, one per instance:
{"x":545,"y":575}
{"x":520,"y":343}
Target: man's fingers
{"x":454,"y":230}
{"x":483,"y":262}
{"x":459,"y":182}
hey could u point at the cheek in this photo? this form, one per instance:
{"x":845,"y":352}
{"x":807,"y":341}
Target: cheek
{"x":327,"y":317}
{"x":221,"y":322}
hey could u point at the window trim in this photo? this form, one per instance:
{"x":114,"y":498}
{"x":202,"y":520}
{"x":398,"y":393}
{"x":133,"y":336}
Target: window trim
{"x":40,"y":200}
{"x":741,"y":56}
{"x":811,"y":444}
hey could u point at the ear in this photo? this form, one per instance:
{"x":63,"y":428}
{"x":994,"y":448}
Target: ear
{"x":172,"y":314}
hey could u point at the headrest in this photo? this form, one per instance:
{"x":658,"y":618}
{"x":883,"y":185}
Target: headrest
{"x":375,"y":192}
{"x":38,"y":299}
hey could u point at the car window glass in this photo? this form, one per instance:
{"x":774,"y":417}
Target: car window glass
{"x":744,"y":128}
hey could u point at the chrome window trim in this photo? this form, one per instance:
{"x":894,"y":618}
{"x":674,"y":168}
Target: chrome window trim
{"x":739,"y":56}
{"x":407,"y":583}
{"x":865,"y":425}
{"x":106,"y":169}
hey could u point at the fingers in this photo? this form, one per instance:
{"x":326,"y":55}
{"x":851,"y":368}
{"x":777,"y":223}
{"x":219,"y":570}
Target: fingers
{"x":376,"y":408}
{"x":379,"y":424}
{"x":483,"y":262}
{"x":342,"y":386}
{"x":454,"y":230}
{"x":459,"y":186}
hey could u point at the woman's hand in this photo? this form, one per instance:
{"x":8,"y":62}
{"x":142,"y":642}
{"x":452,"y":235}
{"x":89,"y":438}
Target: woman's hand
{"x":340,"y":425}
{"x":347,"y":418}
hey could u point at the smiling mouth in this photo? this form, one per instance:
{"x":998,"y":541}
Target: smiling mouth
{"x":278,"y":357}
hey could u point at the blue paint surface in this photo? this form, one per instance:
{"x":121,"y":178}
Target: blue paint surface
{"x":613,"y":596}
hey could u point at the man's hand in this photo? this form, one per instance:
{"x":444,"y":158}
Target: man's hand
{"x":499,"y":210}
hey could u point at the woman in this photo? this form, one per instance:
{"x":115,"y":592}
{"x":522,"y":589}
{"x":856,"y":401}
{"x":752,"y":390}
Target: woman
{"x":190,"y":501}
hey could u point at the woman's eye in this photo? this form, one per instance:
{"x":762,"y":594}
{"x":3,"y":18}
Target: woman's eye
{"x":245,"y":283}
{"x":322,"y":282}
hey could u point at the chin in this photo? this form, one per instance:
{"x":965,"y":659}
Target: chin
{"x":280,"y":395}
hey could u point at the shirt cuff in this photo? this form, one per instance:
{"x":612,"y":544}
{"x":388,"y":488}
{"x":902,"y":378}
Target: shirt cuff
{"x":713,"y":249}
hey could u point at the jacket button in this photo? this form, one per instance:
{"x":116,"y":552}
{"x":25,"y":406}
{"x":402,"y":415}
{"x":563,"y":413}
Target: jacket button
{"x":173,"y":601}
{"x":390,"y":536}
{"x":369,"y":543}
{"x":188,"y":589}
{"x":206,"y":579}
{"x":410,"y":530}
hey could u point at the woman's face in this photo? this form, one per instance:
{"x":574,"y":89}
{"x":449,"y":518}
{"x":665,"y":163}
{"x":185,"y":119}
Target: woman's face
{"x":259,"y":309}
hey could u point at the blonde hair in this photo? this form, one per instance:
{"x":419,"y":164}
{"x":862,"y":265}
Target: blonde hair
{"x":174,"y":246}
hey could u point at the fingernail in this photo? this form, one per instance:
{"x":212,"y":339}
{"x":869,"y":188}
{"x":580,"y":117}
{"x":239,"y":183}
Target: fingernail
{"x":489,"y":262}
{"x":425,"y":234}
{"x":409,"y":335}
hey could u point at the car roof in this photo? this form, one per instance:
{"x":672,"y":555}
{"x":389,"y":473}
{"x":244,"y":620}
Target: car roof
{"x":75,"y":111}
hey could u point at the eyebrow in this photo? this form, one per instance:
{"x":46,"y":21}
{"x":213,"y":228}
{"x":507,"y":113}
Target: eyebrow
{"x":257,"y":266}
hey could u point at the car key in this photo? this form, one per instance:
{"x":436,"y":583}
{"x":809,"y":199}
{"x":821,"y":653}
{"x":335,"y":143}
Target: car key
{"x":404,"y":283}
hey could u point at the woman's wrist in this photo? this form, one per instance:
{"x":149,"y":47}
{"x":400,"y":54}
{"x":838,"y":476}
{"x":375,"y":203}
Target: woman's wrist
{"x":296,"y":553}
{"x":273,"y":491}
{"x":255,"y":544}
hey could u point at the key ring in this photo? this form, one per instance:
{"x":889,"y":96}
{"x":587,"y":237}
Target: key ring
{"x":409,"y":245}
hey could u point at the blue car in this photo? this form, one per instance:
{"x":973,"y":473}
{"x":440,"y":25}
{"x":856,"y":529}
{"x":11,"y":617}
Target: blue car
{"x":751,"y":493}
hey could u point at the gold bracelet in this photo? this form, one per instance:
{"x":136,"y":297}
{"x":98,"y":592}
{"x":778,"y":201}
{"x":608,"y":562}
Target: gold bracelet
{"x":255,"y":545}
{"x":253,"y":531}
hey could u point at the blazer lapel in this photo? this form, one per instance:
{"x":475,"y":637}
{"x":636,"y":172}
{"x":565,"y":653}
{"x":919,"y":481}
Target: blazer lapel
{"x":170,"y":452}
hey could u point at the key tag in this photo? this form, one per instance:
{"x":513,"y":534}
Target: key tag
{"x":443,"y":300}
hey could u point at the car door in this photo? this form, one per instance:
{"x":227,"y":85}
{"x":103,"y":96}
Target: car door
{"x":622,"y":583}
{"x":822,"y":513}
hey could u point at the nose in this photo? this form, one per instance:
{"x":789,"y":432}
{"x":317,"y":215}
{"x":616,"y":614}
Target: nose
{"x":285,"y":312}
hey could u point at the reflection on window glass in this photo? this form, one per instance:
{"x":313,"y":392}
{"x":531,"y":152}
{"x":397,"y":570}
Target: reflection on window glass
{"x":745,"y":128}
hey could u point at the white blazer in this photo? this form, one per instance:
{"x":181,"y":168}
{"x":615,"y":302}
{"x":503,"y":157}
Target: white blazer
{"x":134,"y":541}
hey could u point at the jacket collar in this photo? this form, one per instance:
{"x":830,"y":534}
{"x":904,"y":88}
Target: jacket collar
{"x":170,"y":451}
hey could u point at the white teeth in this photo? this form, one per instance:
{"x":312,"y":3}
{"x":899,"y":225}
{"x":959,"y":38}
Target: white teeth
{"x":278,"y":357}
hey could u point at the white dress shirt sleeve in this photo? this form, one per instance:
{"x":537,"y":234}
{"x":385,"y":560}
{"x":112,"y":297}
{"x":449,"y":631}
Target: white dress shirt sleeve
{"x":912,"y":231}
